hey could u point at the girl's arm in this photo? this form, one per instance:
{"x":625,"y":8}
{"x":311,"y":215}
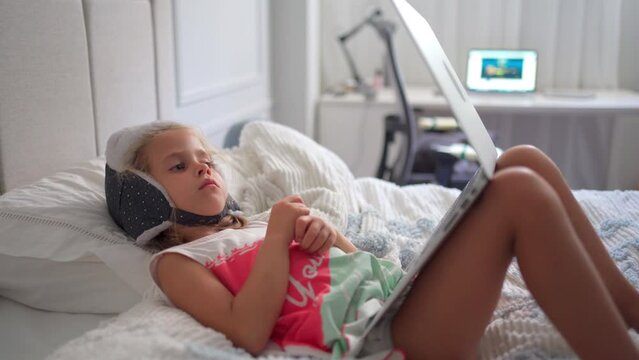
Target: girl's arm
{"x":248,"y":318}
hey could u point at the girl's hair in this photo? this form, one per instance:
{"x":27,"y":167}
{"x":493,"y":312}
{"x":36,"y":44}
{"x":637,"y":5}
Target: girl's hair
{"x":137,"y":159}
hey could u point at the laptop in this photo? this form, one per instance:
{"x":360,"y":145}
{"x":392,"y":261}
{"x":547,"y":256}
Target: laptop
{"x":501,"y":70}
{"x":469,"y":121}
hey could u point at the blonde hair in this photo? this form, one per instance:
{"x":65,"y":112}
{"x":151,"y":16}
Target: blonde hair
{"x":136,"y":158}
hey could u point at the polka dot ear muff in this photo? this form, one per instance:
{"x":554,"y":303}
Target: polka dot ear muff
{"x":138,"y":203}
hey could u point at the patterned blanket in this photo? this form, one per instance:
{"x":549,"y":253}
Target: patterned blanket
{"x":389,"y":221}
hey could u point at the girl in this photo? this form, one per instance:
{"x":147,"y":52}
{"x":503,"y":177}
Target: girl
{"x":297,"y":281}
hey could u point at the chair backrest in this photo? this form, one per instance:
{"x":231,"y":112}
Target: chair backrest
{"x":403,"y":167}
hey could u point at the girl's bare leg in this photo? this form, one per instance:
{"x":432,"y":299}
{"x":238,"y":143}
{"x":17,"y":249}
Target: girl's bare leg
{"x":626,"y":297}
{"x":452,"y":300}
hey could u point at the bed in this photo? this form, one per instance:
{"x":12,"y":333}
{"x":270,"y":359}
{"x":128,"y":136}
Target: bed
{"x":73,"y":286}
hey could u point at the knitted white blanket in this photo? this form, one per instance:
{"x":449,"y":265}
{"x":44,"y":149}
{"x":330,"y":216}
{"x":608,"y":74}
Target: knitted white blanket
{"x":273,"y":161}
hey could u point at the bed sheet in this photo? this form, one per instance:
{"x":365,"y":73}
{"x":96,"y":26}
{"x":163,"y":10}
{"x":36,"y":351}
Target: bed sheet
{"x":30,"y":334}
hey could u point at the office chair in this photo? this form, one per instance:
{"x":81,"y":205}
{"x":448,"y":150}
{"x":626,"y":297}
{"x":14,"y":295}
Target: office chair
{"x":416,"y":162}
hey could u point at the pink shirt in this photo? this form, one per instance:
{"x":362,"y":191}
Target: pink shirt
{"x":307,"y":322}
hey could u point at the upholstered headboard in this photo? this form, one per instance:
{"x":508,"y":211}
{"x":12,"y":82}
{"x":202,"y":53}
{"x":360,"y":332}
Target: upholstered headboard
{"x":71,"y":72}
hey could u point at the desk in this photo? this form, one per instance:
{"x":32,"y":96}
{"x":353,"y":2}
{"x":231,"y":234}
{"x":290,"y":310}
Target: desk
{"x":353,"y":127}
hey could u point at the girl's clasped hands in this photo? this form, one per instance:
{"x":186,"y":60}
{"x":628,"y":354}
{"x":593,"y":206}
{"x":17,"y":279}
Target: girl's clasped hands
{"x":290,"y":220}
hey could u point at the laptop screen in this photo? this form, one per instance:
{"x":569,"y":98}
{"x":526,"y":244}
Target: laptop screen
{"x":501,"y":70}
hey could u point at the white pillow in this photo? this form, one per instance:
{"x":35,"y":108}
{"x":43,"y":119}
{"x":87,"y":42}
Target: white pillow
{"x":61,"y":251}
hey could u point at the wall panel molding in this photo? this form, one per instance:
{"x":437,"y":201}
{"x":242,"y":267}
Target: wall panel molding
{"x":212,"y":62}
{"x":205,"y":29}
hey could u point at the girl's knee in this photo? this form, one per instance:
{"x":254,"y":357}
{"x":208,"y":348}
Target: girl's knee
{"x":520,"y":187}
{"x":517,"y":176}
{"x":528,"y":156}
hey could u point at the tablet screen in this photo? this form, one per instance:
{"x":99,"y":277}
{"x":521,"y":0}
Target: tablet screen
{"x":501,"y":70}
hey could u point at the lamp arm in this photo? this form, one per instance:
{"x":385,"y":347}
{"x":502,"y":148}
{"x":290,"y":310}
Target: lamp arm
{"x":351,"y":64}
{"x":360,"y":84}
{"x":358,"y":27}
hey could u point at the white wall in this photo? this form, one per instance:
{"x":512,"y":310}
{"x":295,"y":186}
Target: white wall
{"x":295,"y":58}
{"x":629,"y":49}
{"x":577,"y":40}
{"x":625,"y":146}
{"x":212,"y":62}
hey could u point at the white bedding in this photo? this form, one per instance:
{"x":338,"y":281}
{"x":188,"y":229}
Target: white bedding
{"x":27,"y":333}
{"x":379,"y":217}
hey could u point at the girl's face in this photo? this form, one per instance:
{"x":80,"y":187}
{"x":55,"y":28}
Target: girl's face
{"x":179,"y":162}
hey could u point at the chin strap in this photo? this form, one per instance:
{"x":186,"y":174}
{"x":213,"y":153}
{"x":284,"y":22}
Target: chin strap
{"x":186,"y":218}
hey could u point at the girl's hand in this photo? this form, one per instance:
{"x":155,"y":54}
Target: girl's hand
{"x":284,"y":215}
{"x":314,"y":235}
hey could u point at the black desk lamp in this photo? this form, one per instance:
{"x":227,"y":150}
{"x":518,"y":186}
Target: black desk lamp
{"x":385,"y":30}
{"x":374,"y":20}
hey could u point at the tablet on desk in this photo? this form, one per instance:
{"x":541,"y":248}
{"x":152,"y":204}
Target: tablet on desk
{"x":513,"y":71}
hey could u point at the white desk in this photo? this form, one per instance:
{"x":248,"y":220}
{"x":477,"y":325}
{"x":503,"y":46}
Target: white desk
{"x":353,"y":127}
